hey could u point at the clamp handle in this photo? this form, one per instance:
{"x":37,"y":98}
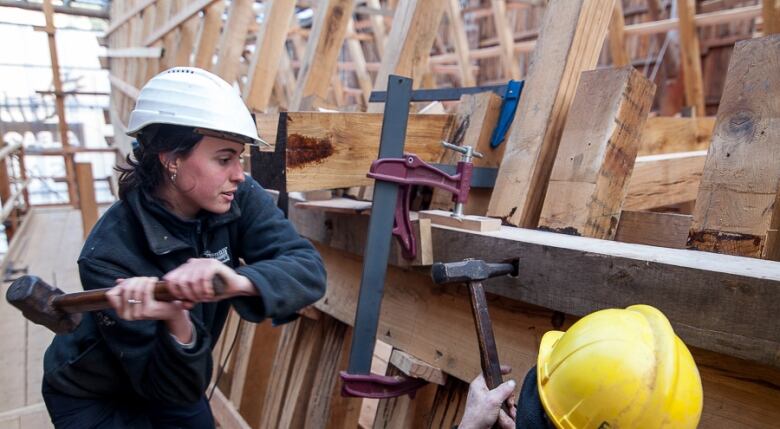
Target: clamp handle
{"x":467,"y":151}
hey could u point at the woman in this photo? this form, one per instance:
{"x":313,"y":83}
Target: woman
{"x":186,"y":214}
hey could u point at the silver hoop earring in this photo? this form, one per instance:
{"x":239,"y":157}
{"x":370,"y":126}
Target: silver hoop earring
{"x":173,"y":177}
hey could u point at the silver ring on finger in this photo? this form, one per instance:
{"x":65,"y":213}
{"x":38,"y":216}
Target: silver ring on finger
{"x":134,"y":301}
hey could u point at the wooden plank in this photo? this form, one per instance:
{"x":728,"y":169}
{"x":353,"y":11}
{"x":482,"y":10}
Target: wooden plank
{"x":654,"y":229}
{"x":448,"y":405}
{"x":666,"y":135}
{"x":319,"y":62}
{"x":736,"y":206}
{"x":208,"y":35}
{"x":466,"y":222}
{"x":413,"y":367}
{"x":87,"y":202}
{"x":740,"y":394}
{"x":135,"y":10}
{"x":186,"y":43}
{"x":326,"y":378}
{"x":231,"y":44}
{"x":344,"y":411}
{"x":617,"y":38}
{"x":415,"y":25}
{"x":664,"y":180}
{"x":596,"y":156}
{"x":335,"y":150}
{"x":566,"y":48}
{"x":691,"y":56}
{"x":460,"y":43}
{"x":266,"y":58}
{"x":124,"y":87}
{"x":505,"y":40}
{"x":225,"y":413}
{"x":257,"y":372}
{"x":600,"y":274}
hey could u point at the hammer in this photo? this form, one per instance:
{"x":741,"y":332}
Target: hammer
{"x":47,"y":305}
{"x":472,"y":272}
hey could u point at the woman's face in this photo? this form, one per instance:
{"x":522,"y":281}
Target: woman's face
{"x":207,"y":179}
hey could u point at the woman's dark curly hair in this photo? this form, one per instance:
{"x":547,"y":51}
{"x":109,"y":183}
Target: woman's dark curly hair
{"x":144,"y":169}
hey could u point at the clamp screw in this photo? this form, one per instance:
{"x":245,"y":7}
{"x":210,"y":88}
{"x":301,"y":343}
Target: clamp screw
{"x":467,"y":151}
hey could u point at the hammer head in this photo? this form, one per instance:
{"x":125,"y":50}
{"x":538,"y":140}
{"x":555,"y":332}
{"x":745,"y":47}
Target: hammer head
{"x":34,"y":297}
{"x":470,"y":270}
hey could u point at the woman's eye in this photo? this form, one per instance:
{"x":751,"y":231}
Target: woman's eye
{"x":224,"y":161}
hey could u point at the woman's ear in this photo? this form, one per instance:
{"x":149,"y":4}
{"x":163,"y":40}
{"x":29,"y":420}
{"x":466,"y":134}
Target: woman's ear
{"x":169,"y":161}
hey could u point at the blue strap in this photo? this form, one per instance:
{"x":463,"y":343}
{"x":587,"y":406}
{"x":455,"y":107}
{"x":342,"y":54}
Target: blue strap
{"x":508,"y":107}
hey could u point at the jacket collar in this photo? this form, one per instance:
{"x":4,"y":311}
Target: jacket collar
{"x":165,"y":231}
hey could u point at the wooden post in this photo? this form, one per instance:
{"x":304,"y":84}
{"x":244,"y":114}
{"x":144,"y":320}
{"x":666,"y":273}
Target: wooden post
{"x":319,"y":62}
{"x":87,"y":202}
{"x":268,"y":53}
{"x":736,"y":205}
{"x":415,"y":25}
{"x":771,"y":17}
{"x":617,"y":38}
{"x":506,"y":40}
{"x":691,"y":57}
{"x":5,"y":192}
{"x":62,"y":124}
{"x":209,"y":35}
{"x":569,"y":42}
{"x":231,"y":44}
{"x":460,"y":42}
{"x":596,"y":156}
{"x":378,"y":29}
{"x":359,"y":60}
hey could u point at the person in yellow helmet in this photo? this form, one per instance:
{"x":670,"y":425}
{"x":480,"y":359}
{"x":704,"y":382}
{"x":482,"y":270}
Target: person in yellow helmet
{"x":615,"y":368}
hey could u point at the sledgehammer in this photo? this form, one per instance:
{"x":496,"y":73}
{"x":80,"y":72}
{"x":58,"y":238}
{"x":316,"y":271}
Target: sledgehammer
{"x":47,"y":305}
{"x":472,"y":272}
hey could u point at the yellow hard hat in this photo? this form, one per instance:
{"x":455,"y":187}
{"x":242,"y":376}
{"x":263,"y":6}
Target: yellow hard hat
{"x":619,"y":369}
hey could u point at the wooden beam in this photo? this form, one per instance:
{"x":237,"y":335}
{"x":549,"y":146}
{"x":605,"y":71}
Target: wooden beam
{"x":596,"y":156}
{"x":570,"y":42}
{"x":691,"y":56}
{"x":59,"y":101}
{"x":231,"y":44}
{"x":87,"y":202}
{"x":739,"y":393}
{"x":267,"y":55}
{"x":460,"y":43}
{"x":415,"y":25}
{"x":124,"y":87}
{"x":736,"y":203}
{"x":378,"y":29}
{"x":663,"y":135}
{"x":177,"y":20}
{"x":319,"y":63}
{"x":664,"y":180}
{"x":771,"y":17}
{"x":225,"y":413}
{"x":119,"y":21}
{"x":505,"y":40}
{"x":359,"y":60}
{"x":208,"y":35}
{"x":654,"y":229}
{"x":600,"y":274}
{"x":335,"y":150}
{"x":186,"y":41}
{"x":617,"y":38}
{"x":413,"y":367}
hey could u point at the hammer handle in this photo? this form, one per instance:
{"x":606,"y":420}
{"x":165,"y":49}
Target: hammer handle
{"x":91,"y":300}
{"x":488,"y":353}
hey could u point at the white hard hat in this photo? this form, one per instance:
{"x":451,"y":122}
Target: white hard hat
{"x":193,"y":97}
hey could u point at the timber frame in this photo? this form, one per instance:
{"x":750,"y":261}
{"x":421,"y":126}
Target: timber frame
{"x":643,"y":176}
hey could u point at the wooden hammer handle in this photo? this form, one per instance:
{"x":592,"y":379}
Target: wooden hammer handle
{"x":91,"y":300}
{"x":488,"y":353}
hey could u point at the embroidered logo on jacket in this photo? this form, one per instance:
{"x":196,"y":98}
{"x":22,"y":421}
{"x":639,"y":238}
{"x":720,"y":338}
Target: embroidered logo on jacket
{"x":221,"y":255}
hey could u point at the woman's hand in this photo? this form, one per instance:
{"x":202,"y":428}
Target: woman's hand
{"x":483,"y":406}
{"x":192,"y":281}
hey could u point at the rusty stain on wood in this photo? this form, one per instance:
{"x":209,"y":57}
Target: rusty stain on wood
{"x":726,"y":243}
{"x":302,"y":150}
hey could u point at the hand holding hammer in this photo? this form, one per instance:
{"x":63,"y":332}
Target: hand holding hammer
{"x":473,"y":272}
{"x":47,"y":305}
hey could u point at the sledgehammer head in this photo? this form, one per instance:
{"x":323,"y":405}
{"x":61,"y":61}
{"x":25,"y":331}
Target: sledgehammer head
{"x":34,"y":297}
